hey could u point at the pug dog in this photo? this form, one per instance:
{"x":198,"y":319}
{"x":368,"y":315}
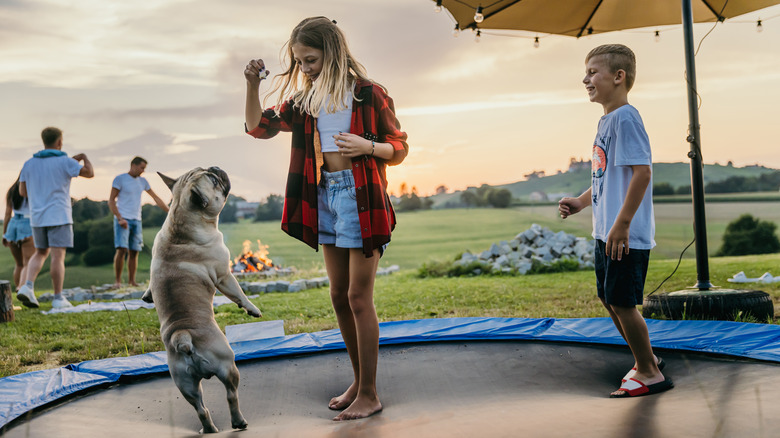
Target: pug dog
{"x":189,"y":263}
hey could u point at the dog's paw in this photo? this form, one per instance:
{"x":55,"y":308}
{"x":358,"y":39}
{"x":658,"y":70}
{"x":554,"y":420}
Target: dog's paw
{"x":147,"y":297}
{"x":254,"y":311}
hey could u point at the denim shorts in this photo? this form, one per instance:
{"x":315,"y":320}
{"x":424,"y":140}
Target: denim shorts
{"x":131,"y":237}
{"x":18,"y":228}
{"x":337,"y":210}
{"x":621,"y":283}
{"x":58,"y":236}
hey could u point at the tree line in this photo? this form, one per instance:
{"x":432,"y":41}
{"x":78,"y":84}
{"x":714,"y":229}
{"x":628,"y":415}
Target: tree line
{"x":766,"y":182}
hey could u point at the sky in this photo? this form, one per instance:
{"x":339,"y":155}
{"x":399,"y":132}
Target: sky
{"x":163,"y":79}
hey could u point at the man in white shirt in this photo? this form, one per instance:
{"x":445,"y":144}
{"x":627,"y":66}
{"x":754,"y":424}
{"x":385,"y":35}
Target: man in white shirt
{"x":45,"y":181}
{"x":125,"y":202}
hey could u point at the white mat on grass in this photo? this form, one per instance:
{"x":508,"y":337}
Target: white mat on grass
{"x":740,"y":277}
{"x":116,"y":306}
{"x":254,"y":330}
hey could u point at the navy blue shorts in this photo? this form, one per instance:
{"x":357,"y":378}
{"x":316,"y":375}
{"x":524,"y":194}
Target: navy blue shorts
{"x":621,"y":283}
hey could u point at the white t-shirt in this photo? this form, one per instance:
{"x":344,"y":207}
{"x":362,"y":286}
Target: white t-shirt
{"x":48,"y":189}
{"x":330,"y":124}
{"x":621,"y":142}
{"x":128,"y":201}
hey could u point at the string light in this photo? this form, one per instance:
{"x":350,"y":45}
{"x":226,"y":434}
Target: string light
{"x":536,"y":42}
{"x":759,"y":27}
{"x":657,"y":36}
{"x":437,"y":8}
{"x":456,"y":31}
{"x":478,"y":17}
{"x":478,"y":36}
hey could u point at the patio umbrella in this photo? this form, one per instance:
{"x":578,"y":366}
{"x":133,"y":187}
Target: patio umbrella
{"x":587,"y":17}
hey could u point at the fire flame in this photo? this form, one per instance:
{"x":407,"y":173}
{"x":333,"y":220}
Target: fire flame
{"x":252,"y":261}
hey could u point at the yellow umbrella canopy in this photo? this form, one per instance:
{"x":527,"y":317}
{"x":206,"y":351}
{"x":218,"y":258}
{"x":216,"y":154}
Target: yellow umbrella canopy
{"x":585,"y":17}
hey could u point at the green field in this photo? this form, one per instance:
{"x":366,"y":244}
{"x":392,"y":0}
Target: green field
{"x":443,"y":234}
{"x":35,"y":341}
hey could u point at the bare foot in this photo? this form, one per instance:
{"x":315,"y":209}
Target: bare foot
{"x":344,"y":400}
{"x":362,"y":407}
{"x":134,"y":284}
{"x":116,"y":286}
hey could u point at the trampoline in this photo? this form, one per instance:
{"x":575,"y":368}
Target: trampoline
{"x":483,"y":377}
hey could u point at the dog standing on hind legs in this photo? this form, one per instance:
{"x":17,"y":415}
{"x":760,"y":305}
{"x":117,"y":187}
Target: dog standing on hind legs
{"x":189,"y":263}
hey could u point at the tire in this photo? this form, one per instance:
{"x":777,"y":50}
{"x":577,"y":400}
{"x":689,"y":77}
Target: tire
{"x":718,"y":304}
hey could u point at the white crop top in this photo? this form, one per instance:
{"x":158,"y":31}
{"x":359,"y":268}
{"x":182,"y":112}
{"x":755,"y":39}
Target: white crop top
{"x":331,"y":124}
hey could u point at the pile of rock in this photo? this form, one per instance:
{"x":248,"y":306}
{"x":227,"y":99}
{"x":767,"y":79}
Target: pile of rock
{"x":298,"y":285}
{"x":106,"y":292}
{"x":534,"y":244}
{"x":267,"y":273}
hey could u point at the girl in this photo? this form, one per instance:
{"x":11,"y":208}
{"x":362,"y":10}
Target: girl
{"x":344,"y":133}
{"x":17,"y":234}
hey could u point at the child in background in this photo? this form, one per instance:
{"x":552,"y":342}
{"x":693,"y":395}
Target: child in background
{"x":344,"y":133}
{"x":623,"y":222}
{"x":17,"y":234}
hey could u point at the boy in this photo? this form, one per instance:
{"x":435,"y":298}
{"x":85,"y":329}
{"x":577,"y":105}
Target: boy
{"x":623,"y":223}
{"x":125,"y":203}
{"x":45,"y":181}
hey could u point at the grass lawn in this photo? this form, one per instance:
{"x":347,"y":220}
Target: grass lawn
{"x":35,"y":341}
{"x":439,"y":235}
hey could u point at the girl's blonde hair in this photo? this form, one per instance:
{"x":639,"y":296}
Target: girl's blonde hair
{"x":339,"y":73}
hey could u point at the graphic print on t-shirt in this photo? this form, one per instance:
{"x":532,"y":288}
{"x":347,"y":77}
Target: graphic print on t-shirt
{"x":598,"y":168}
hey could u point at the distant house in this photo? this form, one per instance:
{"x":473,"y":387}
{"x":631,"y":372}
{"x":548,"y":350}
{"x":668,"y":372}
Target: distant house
{"x":577,"y":165}
{"x":535,"y":174}
{"x":537,"y":197}
{"x":557,"y":196}
{"x":246,"y":209}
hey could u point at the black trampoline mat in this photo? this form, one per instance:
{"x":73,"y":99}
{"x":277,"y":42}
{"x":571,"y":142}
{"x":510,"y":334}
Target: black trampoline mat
{"x":458,"y":389}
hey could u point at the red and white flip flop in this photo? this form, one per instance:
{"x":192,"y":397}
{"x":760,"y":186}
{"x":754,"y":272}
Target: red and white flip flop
{"x":634,"y":388}
{"x":661,"y":364}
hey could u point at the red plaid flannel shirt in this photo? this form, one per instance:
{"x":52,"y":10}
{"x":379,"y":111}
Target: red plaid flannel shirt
{"x":373,"y":117}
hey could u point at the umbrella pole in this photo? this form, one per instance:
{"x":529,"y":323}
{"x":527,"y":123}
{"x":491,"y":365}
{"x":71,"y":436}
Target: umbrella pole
{"x":697,"y":179}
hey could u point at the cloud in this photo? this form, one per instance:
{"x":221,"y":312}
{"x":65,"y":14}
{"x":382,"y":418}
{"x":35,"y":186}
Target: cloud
{"x":157,"y":77}
{"x":497,"y":103}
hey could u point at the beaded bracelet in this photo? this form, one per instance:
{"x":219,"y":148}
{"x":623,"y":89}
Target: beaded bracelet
{"x":372,"y":148}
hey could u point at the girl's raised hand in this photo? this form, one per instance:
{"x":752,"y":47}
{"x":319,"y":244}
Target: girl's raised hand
{"x":252,"y":71}
{"x":351,"y":145}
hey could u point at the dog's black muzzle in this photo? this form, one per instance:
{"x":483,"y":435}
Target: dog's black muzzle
{"x":220,"y":178}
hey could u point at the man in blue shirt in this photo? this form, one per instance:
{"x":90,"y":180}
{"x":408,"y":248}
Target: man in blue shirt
{"x":45,"y":181}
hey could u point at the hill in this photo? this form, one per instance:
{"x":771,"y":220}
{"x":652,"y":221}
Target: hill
{"x":576,"y":181}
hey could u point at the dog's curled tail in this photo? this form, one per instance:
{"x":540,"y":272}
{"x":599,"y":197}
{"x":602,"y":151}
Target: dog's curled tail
{"x":182,"y":341}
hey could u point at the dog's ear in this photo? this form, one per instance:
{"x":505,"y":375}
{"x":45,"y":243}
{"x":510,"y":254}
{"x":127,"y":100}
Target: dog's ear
{"x":168,"y":180}
{"x":198,"y":200}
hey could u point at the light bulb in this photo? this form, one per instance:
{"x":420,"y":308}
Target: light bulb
{"x":536,"y":42}
{"x":759,"y":27}
{"x":657,"y":36}
{"x":456,"y":31}
{"x":478,"y":36}
{"x":478,"y":17}
{"x":437,"y":8}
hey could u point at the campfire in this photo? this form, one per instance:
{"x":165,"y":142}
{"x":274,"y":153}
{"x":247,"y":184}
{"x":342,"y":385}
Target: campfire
{"x":252,"y":261}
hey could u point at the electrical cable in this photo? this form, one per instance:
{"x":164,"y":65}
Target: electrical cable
{"x":675,"y":268}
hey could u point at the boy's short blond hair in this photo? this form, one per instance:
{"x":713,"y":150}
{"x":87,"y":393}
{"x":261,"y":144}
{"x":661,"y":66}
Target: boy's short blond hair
{"x":619,"y":57}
